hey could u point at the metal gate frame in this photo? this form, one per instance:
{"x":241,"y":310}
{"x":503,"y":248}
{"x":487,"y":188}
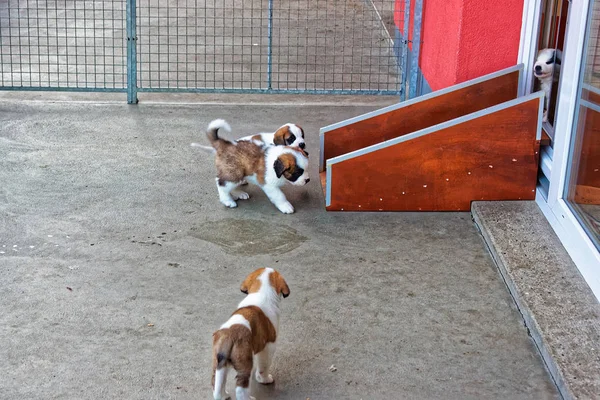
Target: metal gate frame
{"x":407,"y":61}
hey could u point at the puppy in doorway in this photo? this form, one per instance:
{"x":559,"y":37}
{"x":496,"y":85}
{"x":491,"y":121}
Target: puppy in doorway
{"x":269,"y":167}
{"x":547,"y":70}
{"x":246,"y":342}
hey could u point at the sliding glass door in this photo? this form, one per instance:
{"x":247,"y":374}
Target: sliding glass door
{"x":582,"y":191}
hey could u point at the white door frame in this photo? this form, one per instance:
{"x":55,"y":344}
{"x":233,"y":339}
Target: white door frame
{"x":570,"y":232}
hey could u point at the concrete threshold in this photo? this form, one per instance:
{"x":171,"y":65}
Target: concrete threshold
{"x":559,"y":309}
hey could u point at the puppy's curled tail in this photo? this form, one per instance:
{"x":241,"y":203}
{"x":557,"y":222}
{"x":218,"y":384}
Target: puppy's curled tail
{"x":213,"y":129}
{"x":223,"y":349}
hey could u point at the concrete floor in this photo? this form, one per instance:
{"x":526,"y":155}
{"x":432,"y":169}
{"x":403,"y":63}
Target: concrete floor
{"x":118,"y":262}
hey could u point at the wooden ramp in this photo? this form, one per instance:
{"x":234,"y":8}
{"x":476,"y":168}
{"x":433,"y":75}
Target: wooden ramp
{"x":473,"y":141}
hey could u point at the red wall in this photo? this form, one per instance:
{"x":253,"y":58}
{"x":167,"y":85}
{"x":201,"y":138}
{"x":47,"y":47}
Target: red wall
{"x":465,"y":39}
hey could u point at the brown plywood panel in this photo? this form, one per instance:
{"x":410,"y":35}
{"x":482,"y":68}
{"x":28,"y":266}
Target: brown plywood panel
{"x":587,"y":195}
{"x":588,"y":168}
{"x":492,"y":157}
{"x":546,"y":140}
{"x":420,"y":115}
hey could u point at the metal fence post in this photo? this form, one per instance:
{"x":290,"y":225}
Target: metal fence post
{"x":414,"y":90}
{"x":131,"y":52}
{"x":405,"y":69}
{"x":270,"y":48}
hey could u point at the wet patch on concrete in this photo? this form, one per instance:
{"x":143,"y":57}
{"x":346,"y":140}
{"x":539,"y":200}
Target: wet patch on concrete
{"x":249,"y":237}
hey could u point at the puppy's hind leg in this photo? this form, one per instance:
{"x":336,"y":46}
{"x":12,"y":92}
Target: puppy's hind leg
{"x":242,"y":364}
{"x":225,"y":189}
{"x":242,"y":389}
{"x":220,"y":379}
{"x":263,"y":363}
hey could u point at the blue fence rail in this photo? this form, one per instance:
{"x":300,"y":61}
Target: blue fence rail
{"x":208,"y":46}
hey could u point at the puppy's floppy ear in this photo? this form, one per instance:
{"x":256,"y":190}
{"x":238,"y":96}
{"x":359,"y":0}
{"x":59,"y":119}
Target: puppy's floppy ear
{"x":280,"y":135}
{"x":279,"y":284}
{"x":244,"y":288}
{"x":279,"y":167}
{"x":250,"y":281}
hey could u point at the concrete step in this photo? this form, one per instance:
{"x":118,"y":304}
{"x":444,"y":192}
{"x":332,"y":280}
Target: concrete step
{"x":559,"y":309}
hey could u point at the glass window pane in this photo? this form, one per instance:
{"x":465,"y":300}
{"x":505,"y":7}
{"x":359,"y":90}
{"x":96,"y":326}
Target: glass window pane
{"x":583,"y":189}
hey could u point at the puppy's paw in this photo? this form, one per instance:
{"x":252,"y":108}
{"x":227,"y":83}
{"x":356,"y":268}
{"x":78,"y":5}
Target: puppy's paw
{"x":229,"y":203}
{"x":239,"y":195}
{"x":265,"y":380}
{"x":286,"y":207}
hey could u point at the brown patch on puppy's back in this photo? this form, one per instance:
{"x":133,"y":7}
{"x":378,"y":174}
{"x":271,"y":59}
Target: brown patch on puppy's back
{"x":263,"y":331}
{"x":235,"y":161}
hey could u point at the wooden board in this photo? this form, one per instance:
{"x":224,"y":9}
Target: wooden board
{"x":492,"y":157}
{"x":587,"y":195}
{"x":587,"y":155}
{"x":323,"y":176}
{"x":546,"y":140}
{"x":420,"y":115}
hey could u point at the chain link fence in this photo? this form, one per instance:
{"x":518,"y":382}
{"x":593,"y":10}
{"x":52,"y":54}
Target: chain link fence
{"x":254,"y":46}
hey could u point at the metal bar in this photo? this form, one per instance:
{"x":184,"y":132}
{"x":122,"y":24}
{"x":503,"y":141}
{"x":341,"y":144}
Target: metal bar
{"x":131,"y":52}
{"x":63,"y":89}
{"x":438,"y":127}
{"x":270,"y":47}
{"x":416,"y":49}
{"x":269,"y":91}
{"x":404,"y":79}
{"x":425,"y":97}
{"x":328,"y":187}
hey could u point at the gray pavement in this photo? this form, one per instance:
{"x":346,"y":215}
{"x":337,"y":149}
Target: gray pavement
{"x":118,"y":262}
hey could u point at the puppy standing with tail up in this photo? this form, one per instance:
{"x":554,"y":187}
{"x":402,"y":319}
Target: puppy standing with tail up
{"x":286,"y":135}
{"x":247,"y":340}
{"x":268,"y":167}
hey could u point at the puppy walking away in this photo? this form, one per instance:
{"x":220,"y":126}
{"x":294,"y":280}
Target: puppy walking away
{"x":247,"y":340}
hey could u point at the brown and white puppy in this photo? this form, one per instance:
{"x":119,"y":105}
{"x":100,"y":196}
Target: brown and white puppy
{"x":247,"y":340}
{"x":286,"y":135}
{"x":547,"y":70}
{"x":269,"y":167}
